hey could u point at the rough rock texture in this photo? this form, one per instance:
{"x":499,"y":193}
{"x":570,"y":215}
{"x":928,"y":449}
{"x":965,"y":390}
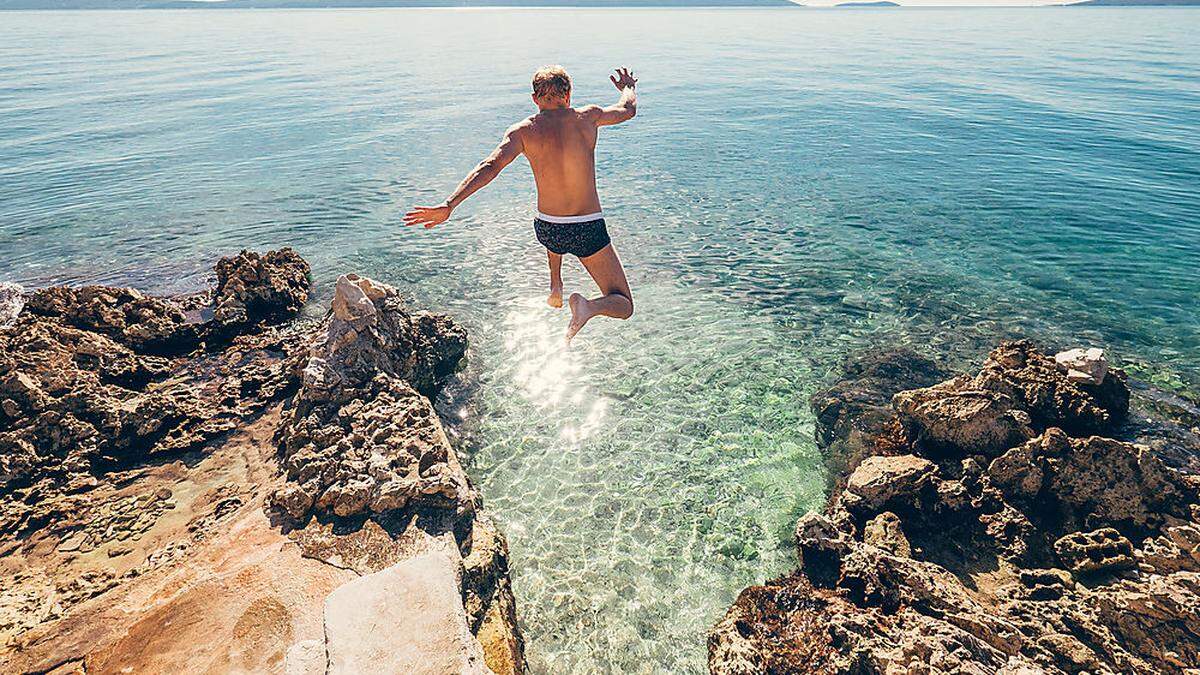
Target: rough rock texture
{"x":371,"y":479}
{"x":371,"y":332}
{"x":359,"y":438}
{"x":989,"y":533}
{"x":1018,"y":392}
{"x":88,"y":386}
{"x":250,"y":285}
{"x":182,"y":484}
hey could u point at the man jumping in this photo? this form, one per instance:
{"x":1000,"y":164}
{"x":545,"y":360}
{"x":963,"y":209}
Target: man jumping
{"x":560,"y":144}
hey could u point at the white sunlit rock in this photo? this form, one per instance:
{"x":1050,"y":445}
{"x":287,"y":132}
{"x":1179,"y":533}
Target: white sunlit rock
{"x":12,"y":299}
{"x":1086,"y":366}
{"x":408,"y":618}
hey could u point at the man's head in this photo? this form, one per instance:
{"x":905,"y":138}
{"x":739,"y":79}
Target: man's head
{"x":551,"y":87}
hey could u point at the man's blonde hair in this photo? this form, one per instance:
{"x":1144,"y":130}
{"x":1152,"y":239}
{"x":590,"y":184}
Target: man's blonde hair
{"x":551,"y":81}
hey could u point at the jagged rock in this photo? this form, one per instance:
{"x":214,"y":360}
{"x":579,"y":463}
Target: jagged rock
{"x":1087,"y":483}
{"x":879,"y":480}
{"x":372,"y":450}
{"x":12,"y":299}
{"x":1037,"y":386}
{"x":370,"y":331}
{"x":884,"y":531}
{"x":955,"y":416}
{"x":950,"y":557}
{"x":408,"y":618}
{"x":854,"y":413}
{"x":1177,"y":549}
{"x":92,"y":381}
{"x":820,"y":545}
{"x":359,"y":438}
{"x":135,"y":432}
{"x":1045,"y":584}
{"x":143,"y":323}
{"x":1102,"y":550}
{"x":253,"y":287}
{"x":1018,"y":392}
{"x":488,"y":599}
{"x":1083,"y":366}
{"x":755,"y":636}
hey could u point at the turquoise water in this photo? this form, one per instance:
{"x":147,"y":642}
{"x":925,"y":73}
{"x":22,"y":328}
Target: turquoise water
{"x":797,"y":185}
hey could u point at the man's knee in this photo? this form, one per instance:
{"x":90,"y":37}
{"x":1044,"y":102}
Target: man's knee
{"x":629,"y":311}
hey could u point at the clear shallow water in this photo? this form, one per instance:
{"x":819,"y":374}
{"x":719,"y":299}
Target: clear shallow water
{"x":798,"y":185}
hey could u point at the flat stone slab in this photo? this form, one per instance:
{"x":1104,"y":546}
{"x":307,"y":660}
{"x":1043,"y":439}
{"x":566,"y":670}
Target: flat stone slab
{"x":408,"y":618}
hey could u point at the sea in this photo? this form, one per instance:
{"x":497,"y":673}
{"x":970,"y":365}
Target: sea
{"x":800,"y":186}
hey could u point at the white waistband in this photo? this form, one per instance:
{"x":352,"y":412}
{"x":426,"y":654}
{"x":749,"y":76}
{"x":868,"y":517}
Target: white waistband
{"x":570,"y":219}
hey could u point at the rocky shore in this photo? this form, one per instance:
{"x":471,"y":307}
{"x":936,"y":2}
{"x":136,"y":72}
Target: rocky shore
{"x":1015,"y":520}
{"x":205,"y":483}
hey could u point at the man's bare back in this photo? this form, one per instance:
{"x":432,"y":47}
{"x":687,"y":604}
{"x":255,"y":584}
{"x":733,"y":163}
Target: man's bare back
{"x":560,"y":144}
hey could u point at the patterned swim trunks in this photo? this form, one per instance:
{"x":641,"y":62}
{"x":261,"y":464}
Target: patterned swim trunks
{"x":580,"y":238}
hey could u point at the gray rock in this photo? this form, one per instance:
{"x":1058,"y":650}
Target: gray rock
{"x":409,"y":618}
{"x":12,"y":299}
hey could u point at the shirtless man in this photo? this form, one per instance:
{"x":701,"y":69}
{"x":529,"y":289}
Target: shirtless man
{"x":560,"y":144}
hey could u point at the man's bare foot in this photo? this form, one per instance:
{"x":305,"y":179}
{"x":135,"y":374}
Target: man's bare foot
{"x":580,"y":313}
{"x":555,"y":298}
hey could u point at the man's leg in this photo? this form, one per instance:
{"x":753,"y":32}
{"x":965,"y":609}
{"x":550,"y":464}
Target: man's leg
{"x":615,"y":300}
{"x":556,"y":284}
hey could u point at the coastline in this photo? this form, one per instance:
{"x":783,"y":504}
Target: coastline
{"x":278,"y":476}
{"x":1018,"y":518}
{"x":187,"y":483}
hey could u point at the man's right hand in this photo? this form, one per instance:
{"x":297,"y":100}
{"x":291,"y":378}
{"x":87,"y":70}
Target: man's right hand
{"x":623,"y":79}
{"x":427,"y":215}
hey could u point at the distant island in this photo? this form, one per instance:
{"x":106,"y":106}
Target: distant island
{"x":326,"y":4}
{"x":1136,"y":3}
{"x":877,"y":3}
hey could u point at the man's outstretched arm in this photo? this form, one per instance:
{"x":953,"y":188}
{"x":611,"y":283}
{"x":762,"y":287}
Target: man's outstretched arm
{"x":508,"y":150}
{"x":625,"y":108}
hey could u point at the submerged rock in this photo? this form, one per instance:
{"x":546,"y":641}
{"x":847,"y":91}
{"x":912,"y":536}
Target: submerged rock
{"x":854,"y":414}
{"x":955,"y":548}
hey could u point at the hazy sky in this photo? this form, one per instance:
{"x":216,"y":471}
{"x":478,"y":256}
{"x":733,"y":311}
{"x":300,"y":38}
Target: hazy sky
{"x":944,"y":3}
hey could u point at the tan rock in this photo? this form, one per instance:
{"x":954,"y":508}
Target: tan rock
{"x":884,"y":532}
{"x":408,"y":618}
{"x":878,"y":480}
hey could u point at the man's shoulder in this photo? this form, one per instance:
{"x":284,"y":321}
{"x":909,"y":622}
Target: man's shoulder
{"x":522,"y":125}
